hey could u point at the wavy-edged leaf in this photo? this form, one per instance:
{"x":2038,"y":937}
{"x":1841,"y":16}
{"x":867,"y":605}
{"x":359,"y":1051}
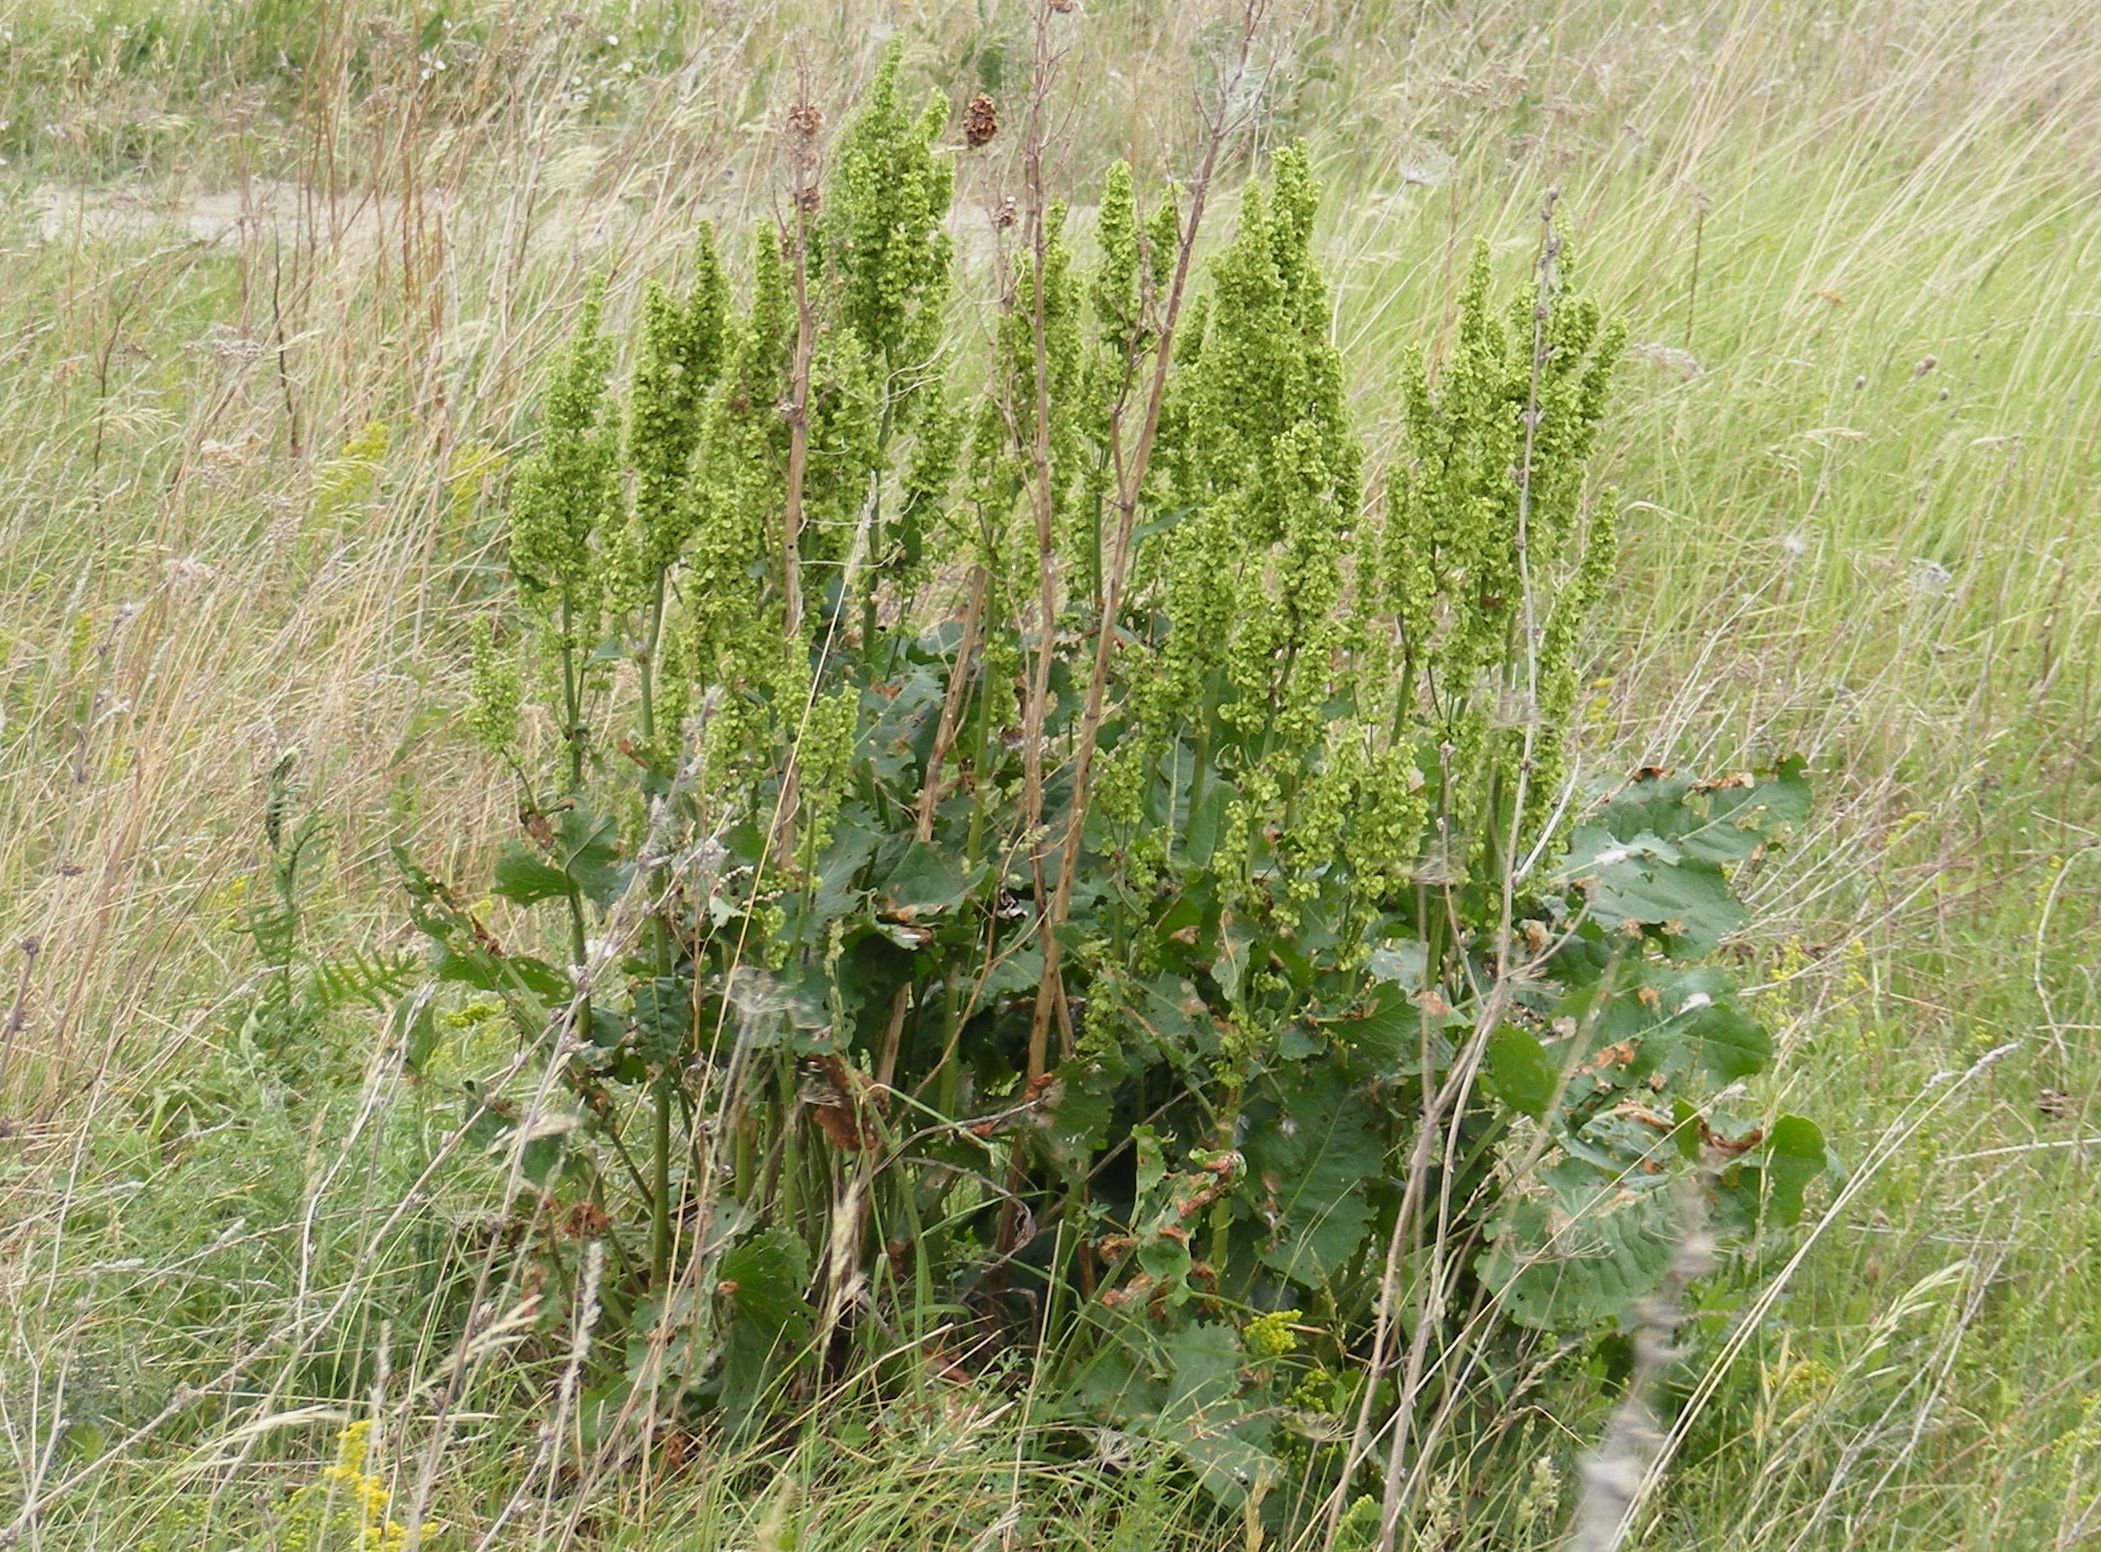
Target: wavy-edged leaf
{"x":1581,"y":1247}
{"x":1770,"y":1184}
{"x":1309,"y":1151}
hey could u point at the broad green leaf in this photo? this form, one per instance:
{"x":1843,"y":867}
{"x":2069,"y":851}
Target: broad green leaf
{"x":762,"y":1278}
{"x":1205,"y":1420}
{"x":1581,"y":1247}
{"x":1232,"y":968}
{"x":1176,"y":1019}
{"x":1521,"y":1073}
{"x":584,"y":851}
{"x":1651,"y":884}
{"x":1653,"y":853}
{"x":1227,"y":1463}
{"x":926,"y":881}
{"x":587,"y":849}
{"x":1077,"y":1116}
{"x":601,"y":1408}
{"x":1678,"y":1023}
{"x":1310,"y":1149}
{"x":1389,"y":1034}
{"x":1403,"y":961}
{"x":524,"y":878}
{"x":1718,"y":821}
{"x":1770,"y":1184}
{"x":1206,"y":820}
{"x":1796,"y":1154}
{"x":663,"y":1018}
{"x":1203,"y":1369}
{"x":1675,"y":1023}
{"x":1018,"y":970}
{"x":896,"y":743}
{"x":479,"y":968}
{"x":1157,"y":1223}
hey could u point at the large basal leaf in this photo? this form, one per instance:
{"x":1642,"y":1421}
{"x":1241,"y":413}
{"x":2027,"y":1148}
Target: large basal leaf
{"x":1652,"y":856}
{"x":1203,"y":1363}
{"x":1648,"y":884}
{"x":903,"y":726}
{"x":926,"y":881}
{"x":1204,"y":1421}
{"x":1521,"y":1073}
{"x":1182,"y":1391}
{"x":1309,"y":1152}
{"x":1682,"y":1022}
{"x":761,"y":1278}
{"x":1076,"y":1116}
{"x":1711,"y":821}
{"x":1580,"y":1247}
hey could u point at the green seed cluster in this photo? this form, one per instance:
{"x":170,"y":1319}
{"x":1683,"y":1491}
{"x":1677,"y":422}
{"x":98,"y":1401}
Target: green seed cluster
{"x":1484,"y":510}
{"x":885,"y":242}
{"x":681,"y":356}
{"x":569,"y":487}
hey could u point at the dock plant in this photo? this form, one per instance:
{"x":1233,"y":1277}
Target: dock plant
{"x":1047,"y":854}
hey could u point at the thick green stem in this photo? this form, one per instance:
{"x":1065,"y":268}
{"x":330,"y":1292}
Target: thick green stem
{"x":661,"y":953}
{"x":646,"y":662}
{"x":1222,"y":1204}
{"x":1404,"y":702}
{"x":660,"y":1188}
{"x":1200,"y":777}
{"x":573,"y":735}
{"x":572,"y":699}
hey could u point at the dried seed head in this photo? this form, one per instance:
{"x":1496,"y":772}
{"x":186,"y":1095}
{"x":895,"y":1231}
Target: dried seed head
{"x":1007,"y":215}
{"x":806,"y":119}
{"x":980,"y":120}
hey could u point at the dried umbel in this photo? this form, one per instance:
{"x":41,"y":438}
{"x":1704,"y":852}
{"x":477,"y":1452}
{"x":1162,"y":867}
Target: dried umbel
{"x":980,"y":121}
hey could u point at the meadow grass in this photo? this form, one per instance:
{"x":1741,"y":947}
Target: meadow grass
{"x":242,"y":511}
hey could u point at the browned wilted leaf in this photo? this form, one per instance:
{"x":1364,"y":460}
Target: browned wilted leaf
{"x":843,"y":1129}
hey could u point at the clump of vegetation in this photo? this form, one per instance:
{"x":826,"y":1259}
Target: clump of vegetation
{"x":284,"y":297}
{"x":1054,"y":869}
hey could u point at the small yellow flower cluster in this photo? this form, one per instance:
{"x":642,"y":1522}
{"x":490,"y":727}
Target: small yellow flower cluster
{"x":1270,"y":1335}
{"x":347,"y":479}
{"x":346,"y":1508}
